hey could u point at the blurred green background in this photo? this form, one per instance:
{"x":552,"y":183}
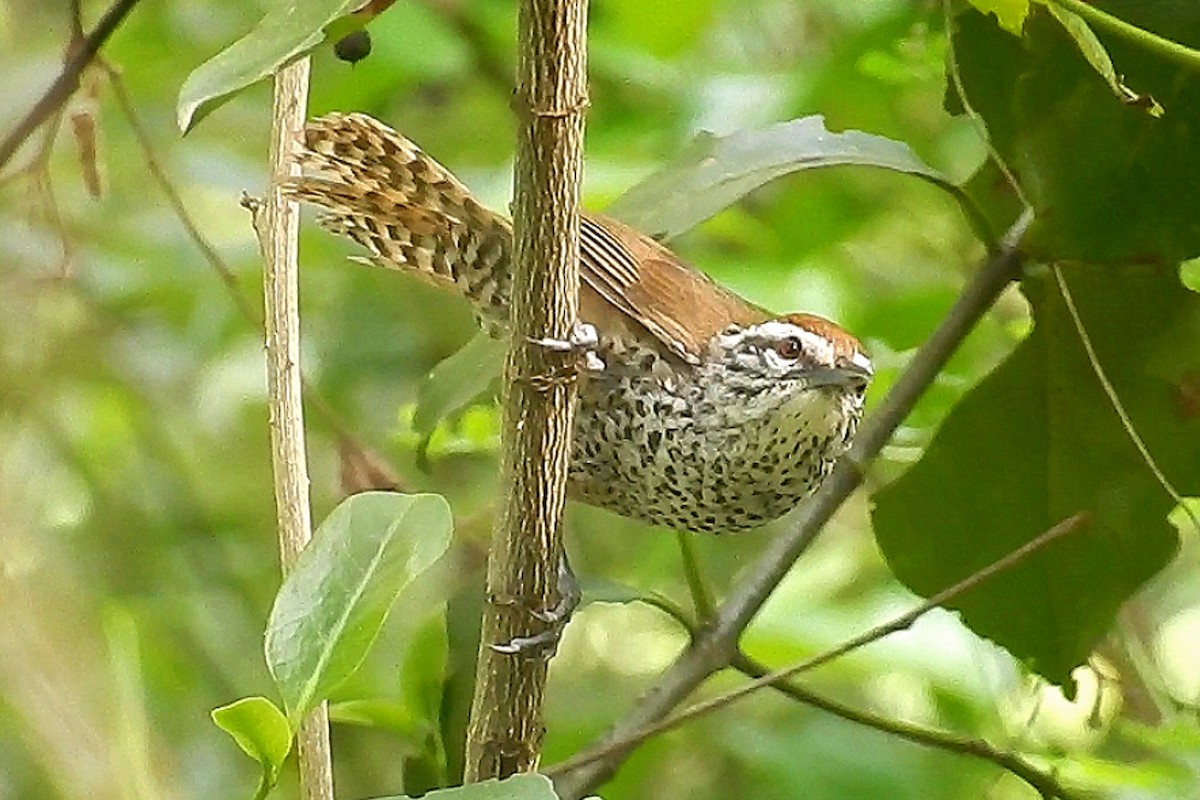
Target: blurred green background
{"x":137,"y":546}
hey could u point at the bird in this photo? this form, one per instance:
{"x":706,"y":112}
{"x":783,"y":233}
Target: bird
{"x":709,"y":414}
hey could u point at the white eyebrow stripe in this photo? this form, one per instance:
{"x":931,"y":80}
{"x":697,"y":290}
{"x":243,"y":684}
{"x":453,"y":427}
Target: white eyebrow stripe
{"x":861,"y":360}
{"x":815,"y":345}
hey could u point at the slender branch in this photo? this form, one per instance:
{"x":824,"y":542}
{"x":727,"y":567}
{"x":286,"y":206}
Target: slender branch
{"x":373,"y":470}
{"x":506,"y":729}
{"x":717,"y":644}
{"x":79,"y":56}
{"x":900,"y":623}
{"x":277,"y":221}
{"x":1156,"y":44}
{"x":1044,"y":782}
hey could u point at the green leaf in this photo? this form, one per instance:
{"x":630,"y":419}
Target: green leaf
{"x":457,"y":381}
{"x":1009,"y":13}
{"x":1039,"y":441}
{"x":333,"y":603}
{"x":288,"y":30}
{"x":377,"y":712}
{"x":518,"y":787}
{"x":261,"y":730}
{"x":1107,"y":179}
{"x":1091,"y":48}
{"x":714,"y":172}
{"x":424,"y":669}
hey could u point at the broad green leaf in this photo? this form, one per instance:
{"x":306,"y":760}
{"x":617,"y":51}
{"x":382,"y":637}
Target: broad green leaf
{"x":333,"y":603}
{"x":518,"y":787}
{"x":714,"y":172}
{"x":289,"y":29}
{"x":458,"y":380}
{"x":1039,"y":441}
{"x":261,"y":730}
{"x":1108,"y":181}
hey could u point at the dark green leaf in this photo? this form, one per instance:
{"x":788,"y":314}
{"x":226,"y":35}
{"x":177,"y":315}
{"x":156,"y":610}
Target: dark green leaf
{"x":1037,"y":442}
{"x":288,"y":30}
{"x":331,"y":606}
{"x":1091,"y":48}
{"x":1108,"y":180}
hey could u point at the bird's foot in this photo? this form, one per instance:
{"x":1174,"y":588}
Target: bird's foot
{"x":584,"y":340}
{"x":545,"y":643}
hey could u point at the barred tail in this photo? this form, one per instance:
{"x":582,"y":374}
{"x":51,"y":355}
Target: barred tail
{"x":411,"y":214}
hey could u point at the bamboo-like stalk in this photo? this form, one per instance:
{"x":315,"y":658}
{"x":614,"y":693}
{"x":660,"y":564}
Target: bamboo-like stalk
{"x":278,"y":225}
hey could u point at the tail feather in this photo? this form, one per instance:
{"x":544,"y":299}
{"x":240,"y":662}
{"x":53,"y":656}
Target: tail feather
{"x":380,"y":190}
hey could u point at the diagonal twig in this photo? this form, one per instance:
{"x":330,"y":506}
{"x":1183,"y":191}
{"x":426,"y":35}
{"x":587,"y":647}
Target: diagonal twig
{"x":1041,"y":780}
{"x":81,"y":53}
{"x":1062,"y":529}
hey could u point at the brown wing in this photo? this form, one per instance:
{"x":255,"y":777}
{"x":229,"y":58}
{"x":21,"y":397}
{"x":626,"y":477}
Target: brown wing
{"x":647,"y":283}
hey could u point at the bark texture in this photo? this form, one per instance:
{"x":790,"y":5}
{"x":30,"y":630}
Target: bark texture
{"x":506,"y":730}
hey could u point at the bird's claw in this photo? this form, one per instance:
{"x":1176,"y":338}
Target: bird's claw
{"x":584,"y":340}
{"x":545,"y":644}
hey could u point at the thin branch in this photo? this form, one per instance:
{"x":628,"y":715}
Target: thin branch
{"x":79,"y":56}
{"x":506,"y":729}
{"x":76,"y":20}
{"x":616,"y":747}
{"x":277,"y":222}
{"x":717,"y":644}
{"x":1041,"y":780}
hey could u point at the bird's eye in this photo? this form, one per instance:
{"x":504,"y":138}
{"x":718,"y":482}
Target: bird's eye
{"x":789,"y":348}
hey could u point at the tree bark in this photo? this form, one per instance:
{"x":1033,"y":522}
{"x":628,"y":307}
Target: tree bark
{"x":506,"y":729}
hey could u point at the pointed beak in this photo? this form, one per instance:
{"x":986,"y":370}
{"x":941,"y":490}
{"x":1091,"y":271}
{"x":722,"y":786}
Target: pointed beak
{"x":854,"y":375}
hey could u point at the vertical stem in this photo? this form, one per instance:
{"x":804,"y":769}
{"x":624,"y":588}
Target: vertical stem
{"x":280,"y":224}
{"x":505,"y":733}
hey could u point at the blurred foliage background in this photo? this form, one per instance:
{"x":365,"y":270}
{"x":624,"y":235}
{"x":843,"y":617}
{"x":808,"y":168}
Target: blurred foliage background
{"x":137,"y":549}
